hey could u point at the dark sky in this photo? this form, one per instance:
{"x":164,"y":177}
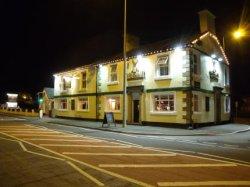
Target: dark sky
{"x":39,"y":38}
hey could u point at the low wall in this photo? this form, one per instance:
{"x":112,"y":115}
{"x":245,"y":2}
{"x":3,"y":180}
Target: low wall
{"x":20,"y":112}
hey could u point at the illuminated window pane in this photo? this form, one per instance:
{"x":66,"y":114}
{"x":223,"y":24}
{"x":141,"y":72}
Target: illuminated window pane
{"x":227,"y":104}
{"x":113,"y":103}
{"x":164,"y":102}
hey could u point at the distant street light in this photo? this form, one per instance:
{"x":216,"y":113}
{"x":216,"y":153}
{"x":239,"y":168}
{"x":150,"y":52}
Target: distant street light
{"x":238,"y":34}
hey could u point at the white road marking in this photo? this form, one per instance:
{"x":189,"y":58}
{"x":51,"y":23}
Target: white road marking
{"x":77,"y":145}
{"x":119,"y":154}
{"x":45,"y":135}
{"x":164,"y":165}
{"x":32,"y":132}
{"x":63,"y":140}
{"x":206,"y":183}
{"x":85,"y":174}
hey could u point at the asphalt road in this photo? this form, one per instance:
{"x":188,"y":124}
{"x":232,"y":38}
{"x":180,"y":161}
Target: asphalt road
{"x":115,"y":159}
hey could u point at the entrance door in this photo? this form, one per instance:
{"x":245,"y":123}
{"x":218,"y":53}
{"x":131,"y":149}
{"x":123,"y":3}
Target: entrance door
{"x":136,"y":111}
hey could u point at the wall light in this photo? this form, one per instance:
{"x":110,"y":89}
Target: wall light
{"x":213,"y":56}
{"x":220,"y":59}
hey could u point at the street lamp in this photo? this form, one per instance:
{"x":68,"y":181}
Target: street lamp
{"x":239,"y":34}
{"x":124,"y":64}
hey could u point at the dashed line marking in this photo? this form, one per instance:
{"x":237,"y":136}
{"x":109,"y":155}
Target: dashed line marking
{"x":206,"y":183}
{"x":119,"y":154}
{"x":164,"y":165}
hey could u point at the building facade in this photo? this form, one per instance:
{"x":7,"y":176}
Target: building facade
{"x":183,"y":83}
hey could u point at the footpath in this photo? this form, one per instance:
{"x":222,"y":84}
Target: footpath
{"x":224,"y":129}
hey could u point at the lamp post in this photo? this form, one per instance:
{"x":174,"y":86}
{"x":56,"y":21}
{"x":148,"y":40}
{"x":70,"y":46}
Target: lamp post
{"x":124,"y":64}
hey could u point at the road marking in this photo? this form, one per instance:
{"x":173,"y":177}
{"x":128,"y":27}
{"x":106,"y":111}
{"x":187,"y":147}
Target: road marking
{"x":59,"y":140}
{"x":140,"y":183}
{"x":225,"y":158}
{"x":164,"y":165}
{"x":42,"y":135}
{"x":32,"y":132}
{"x":85,"y":174}
{"x":118,"y":154}
{"x":206,"y":183}
{"x":77,"y":145}
{"x":22,"y":146}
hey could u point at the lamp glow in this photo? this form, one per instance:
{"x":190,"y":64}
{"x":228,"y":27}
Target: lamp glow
{"x":239,"y":33}
{"x":213,"y":56}
{"x":220,"y":59}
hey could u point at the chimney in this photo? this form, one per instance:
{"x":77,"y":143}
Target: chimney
{"x":207,"y":21}
{"x":132,"y":42}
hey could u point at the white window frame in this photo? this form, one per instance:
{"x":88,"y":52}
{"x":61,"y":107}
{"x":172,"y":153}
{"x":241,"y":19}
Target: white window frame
{"x":107,"y":100}
{"x":152,"y":103}
{"x":227,"y":98}
{"x":83,"y":88}
{"x":60,"y":104}
{"x":158,"y":64}
{"x":113,"y":73}
{"x":79,"y":108}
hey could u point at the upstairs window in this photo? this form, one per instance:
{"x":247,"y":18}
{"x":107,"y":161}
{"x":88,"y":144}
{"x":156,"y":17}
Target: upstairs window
{"x":66,"y":84}
{"x":63,"y":104}
{"x":164,"y":102}
{"x":226,"y":76}
{"x":162,"y":66}
{"x":83,"y":103}
{"x":113,"y":103}
{"x":84,"y":80}
{"x":113,"y":73}
{"x":196,"y":103}
{"x":196,"y":65}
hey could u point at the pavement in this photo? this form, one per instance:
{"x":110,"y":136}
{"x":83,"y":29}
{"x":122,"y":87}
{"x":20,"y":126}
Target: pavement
{"x":224,"y":129}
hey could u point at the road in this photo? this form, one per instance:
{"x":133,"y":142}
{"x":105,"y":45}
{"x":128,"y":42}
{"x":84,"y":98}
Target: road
{"x":115,"y":159}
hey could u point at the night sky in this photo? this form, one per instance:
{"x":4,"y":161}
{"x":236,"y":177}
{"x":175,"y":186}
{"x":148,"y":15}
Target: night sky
{"x":39,"y":38}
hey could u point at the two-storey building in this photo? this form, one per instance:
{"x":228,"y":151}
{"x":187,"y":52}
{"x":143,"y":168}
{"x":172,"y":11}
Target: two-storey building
{"x":182,"y":81}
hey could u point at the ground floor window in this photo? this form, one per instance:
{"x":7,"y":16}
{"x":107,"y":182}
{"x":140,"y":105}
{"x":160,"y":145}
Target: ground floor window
{"x":227,"y":104}
{"x":164,"y":102}
{"x":63,"y":104}
{"x":113,"y":103}
{"x":83,"y":103}
{"x":196,"y":103}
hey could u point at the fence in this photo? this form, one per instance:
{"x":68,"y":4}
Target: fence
{"x":19,"y":111}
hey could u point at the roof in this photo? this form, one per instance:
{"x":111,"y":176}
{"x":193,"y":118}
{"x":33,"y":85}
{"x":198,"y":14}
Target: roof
{"x":156,"y":47}
{"x":49,"y":92}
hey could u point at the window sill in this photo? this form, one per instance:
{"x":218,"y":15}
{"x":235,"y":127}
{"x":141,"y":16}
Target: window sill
{"x":112,"y":83}
{"x":82,"y":90}
{"x":63,"y":110}
{"x":82,"y":110}
{"x":198,"y":113}
{"x":163,"y":78}
{"x":163,"y":113}
{"x":114,"y":111}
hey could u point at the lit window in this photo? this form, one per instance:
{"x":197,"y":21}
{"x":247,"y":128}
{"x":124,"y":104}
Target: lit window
{"x":162,"y":68}
{"x":84,"y":80}
{"x":83,"y":103}
{"x":196,"y":103}
{"x":164,"y":102}
{"x":227,"y":104}
{"x":113,"y":72}
{"x":63,"y":104}
{"x":113,"y":103}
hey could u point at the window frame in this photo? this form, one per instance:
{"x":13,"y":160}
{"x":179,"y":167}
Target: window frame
{"x":82,"y":80}
{"x":153,"y":111}
{"x":158,"y":66}
{"x":196,"y":103}
{"x":61,"y":104}
{"x":207,"y":103}
{"x":113,"y":73}
{"x":79,"y":108}
{"x":64,"y":83}
{"x":107,"y":109}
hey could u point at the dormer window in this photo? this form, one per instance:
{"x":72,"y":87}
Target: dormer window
{"x":162,"y":66}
